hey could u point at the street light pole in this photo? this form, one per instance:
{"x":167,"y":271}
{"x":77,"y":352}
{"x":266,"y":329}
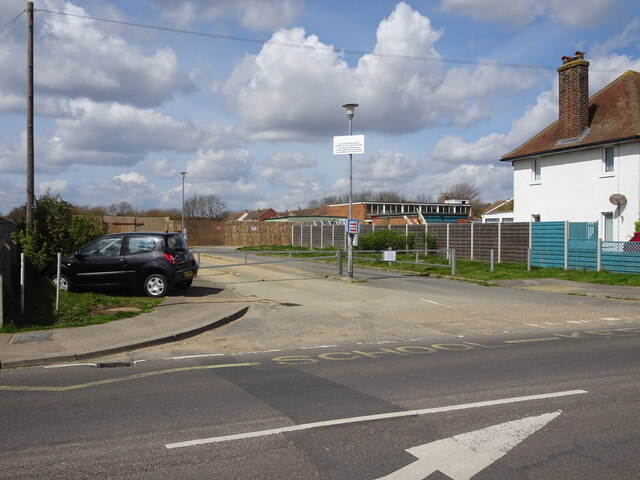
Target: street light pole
{"x":350,"y":111}
{"x":182,"y":222}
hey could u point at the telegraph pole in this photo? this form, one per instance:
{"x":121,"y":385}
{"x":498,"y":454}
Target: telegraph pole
{"x":30,"y":175}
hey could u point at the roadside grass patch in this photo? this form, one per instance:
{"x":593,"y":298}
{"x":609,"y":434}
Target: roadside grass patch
{"x":77,"y":309}
{"x":470,"y":269}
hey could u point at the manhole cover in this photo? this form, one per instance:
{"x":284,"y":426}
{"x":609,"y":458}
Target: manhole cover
{"x":32,"y":337}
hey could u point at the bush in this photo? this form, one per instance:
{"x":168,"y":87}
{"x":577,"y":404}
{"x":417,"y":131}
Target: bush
{"x":431,"y":241}
{"x":637,"y":224}
{"x":56,"y":228}
{"x":383,"y":239}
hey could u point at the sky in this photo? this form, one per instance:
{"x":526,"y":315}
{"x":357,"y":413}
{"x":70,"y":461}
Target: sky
{"x":246,"y":95}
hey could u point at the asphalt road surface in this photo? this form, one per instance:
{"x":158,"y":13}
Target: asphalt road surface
{"x":398,"y":378}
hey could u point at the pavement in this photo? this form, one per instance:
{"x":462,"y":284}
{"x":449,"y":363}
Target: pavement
{"x":202,"y":307}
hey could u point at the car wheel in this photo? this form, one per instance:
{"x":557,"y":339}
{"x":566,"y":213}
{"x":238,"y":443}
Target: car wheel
{"x":183,"y":285}
{"x":65,"y":282}
{"x":156,"y":285}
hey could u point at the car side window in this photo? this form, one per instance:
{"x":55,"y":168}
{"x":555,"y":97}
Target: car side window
{"x":143,"y":244}
{"x":104,"y":247}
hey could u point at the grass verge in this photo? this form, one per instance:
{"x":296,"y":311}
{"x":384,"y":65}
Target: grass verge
{"x":77,"y":309}
{"x":471,"y":269}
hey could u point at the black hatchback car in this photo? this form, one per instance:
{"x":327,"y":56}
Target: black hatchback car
{"x":151,"y":260}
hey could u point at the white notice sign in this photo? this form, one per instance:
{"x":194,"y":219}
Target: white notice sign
{"x":348,"y":144}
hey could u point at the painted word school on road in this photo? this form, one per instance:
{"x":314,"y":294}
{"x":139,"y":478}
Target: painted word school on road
{"x":452,"y":347}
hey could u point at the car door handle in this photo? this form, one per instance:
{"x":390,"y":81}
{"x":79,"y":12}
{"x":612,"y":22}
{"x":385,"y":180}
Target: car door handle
{"x":123,"y":261}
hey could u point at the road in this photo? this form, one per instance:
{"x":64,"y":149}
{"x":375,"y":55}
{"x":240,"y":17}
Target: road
{"x":393,"y":378}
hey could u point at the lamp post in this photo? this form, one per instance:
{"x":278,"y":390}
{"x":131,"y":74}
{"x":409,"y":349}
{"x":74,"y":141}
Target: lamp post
{"x":350,"y":111}
{"x":182,"y":221}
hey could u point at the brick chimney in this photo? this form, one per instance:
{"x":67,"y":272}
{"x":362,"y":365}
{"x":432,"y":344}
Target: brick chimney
{"x":573,"y":76}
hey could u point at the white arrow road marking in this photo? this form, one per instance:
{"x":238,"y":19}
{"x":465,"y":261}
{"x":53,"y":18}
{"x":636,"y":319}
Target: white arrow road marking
{"x":462,"y":456}
{"x":368,"y":418}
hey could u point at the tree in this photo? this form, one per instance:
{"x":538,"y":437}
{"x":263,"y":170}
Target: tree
{"x":389,"y":196}
{"x":124,"y":209}
{"x":205,"y":206}
{"x":463,"y":191}
{"x":18,"y":213}
{"x":56,"y":228}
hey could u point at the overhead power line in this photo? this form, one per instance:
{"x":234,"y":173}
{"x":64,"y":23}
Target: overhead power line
{"x":317,"y":48}
{"x":11,"y":22}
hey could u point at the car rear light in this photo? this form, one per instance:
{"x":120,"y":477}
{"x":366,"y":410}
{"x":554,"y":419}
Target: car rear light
{"x":170,"y":258}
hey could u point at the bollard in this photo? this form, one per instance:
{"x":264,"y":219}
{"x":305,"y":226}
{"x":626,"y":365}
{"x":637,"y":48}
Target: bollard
{"x":453,"y":261}
{"x":528,"y":260}
{"x":59,"y":261}
{"x":340,"y":254}
{"x":491,"y":255}
{"x":22,"y":267}
{"x":1,"y":300}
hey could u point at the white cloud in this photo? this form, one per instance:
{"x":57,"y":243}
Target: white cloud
{"x":517,"y":13}
{"x":388,"y":167}
{"x":452,"y":149}
{"x":164,"y":168}
{"x":131,"y":177}
{"x":220,"y":165}
{"x":288,"y":160}
{"x":77,"y":58}
{"x":296,"y":93}
{"x":253,"y":14}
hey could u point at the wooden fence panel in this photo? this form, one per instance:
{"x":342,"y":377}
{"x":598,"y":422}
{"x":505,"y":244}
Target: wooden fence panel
{"x":514,"y":239}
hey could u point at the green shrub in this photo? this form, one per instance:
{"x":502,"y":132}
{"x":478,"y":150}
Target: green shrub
{"x":637,"y":224}
{"x":431,"y":241}
{"x":56,"y":228}
{"x":383,"y":239}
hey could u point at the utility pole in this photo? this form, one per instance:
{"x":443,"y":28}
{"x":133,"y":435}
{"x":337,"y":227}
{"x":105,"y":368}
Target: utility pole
{"x":30,"y":174}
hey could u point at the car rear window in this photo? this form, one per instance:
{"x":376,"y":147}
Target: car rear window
{"x":176,"y":242}
{"x":143,"y":244}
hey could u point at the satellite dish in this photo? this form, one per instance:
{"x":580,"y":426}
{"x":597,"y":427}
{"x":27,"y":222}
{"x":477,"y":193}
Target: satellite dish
{"x":618,"y":199}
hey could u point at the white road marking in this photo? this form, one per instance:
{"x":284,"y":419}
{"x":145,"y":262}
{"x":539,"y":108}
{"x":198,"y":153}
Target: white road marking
{"x":611,"y":319}
{"x":462,"y":456}
{"x":369,"y":418}
{"x":435,"y":303}
{"x":319,"y":346}
{"x":183,"y":357}
{"x":72,"y":365}
{"x":260,"y":351}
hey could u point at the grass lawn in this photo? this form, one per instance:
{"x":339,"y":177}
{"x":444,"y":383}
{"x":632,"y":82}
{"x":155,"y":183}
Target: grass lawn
{"x":471,"y":269}
{"x":77,"y":309}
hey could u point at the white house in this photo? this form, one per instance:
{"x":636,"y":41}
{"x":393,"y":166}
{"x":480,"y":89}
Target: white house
{"x":584,"y":167}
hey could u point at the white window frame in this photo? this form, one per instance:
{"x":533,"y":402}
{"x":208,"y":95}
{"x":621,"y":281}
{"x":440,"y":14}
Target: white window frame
{"x":608,"y":167}
{"x":536,"y":170}
{"x":607,"y":226}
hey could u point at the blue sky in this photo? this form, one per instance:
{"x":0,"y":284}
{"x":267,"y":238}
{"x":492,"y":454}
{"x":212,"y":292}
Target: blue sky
{"x":249,"y":105}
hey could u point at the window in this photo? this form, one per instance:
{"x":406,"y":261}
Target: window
{"x":536,"y":170}
{"x":104,"y":247}
{"x":608,"y":160}
{"x":607,"y":221}
{"x":144,"y":244}
{"x":535,"y":218}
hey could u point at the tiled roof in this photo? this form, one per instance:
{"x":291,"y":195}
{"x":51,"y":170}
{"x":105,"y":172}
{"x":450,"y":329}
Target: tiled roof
{"x":614,"y":115}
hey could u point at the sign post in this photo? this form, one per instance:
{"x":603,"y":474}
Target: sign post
{"x":348,"y":145}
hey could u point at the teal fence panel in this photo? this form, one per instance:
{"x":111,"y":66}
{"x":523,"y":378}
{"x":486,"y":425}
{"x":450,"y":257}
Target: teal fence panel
{"x":582,"y":246}
{"x":583,"y":230}
{"x":547,"y":244}
{"x":583,"y":254}
{"x":621,"y":257}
